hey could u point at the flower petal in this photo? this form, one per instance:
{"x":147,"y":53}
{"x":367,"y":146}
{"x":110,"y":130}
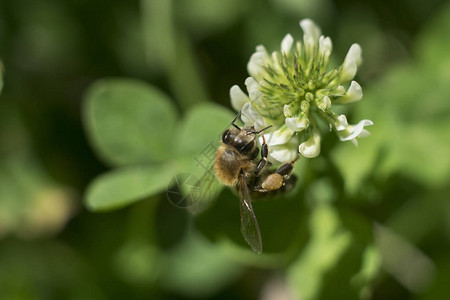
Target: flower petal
{"x":257,"y":61}
{"x":348,"y":71}
{"x":288,"y":111}
{"x":325,"y":46}
{"x":354,"y":54}
{"x":311,"y":32}
{"x":324,"y":103}
{"x":297,"y":124}
{"x":259,"y":124}
{"x":354,"y":131}
{"x":364,"y":133}
{"x":351,"y":63}
{"x":338,"y":91}
{"x":253,"y":89}
{"x":282,"y":154}
{"x":341,"y":123}
{"x":311,"y":148}
{"x":238,"y":97}
{"x":354,"y":93}
{"x":286,"y":44}
{"x":279,"y":137}
{"x":251,"y":117}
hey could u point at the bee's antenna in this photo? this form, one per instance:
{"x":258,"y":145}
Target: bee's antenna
{"x":234,"y":120}
{"x":259,"y":131}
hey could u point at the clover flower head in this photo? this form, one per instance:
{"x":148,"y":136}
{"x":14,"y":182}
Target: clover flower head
{"x":295,"y":89}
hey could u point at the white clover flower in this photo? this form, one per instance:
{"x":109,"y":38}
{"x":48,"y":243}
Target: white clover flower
{"x":311,"y":148}
{"x":251,"y":117}
{"x":282,"y":143}
{"x":238,"y":97}
{"x":294,"y":90}
{"x":351,"y":132}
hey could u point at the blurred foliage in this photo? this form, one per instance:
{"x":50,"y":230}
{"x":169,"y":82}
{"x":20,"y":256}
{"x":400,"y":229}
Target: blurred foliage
{"x":133,"y":125}
{"x":32,"y":204}
{"x":102,"y":104}
{"x":417,"y":120}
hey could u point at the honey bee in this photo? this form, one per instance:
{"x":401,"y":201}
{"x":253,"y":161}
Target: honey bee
{"x":237,"y":166}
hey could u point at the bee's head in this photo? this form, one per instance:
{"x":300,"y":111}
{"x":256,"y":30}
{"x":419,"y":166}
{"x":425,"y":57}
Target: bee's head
{"x":243,"y":140}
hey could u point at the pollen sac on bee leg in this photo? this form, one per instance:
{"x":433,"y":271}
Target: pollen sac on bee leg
{"x":272,"y":182}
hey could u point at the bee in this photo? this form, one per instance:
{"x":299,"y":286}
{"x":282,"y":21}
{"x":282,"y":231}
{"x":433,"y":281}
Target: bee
{"x":237,"y":166}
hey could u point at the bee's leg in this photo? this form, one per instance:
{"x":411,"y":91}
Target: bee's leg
{"x":260,"y":166}
{"x":286,"y":169}
{"x":264,"y":153}
{"x":234,"y":120}
{"x":264,"y":148}
{"x":276,"y":180}
{"x":262,"y":162}
{"x":257,"y":186}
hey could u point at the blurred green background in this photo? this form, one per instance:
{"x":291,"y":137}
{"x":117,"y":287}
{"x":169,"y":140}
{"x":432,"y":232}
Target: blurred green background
{"x":103,"y":102}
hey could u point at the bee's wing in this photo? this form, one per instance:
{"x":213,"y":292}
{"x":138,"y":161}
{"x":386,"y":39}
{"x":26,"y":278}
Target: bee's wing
{"x":194,"y":193}
{"x":249,"y":224}
{"x":204,"y":191}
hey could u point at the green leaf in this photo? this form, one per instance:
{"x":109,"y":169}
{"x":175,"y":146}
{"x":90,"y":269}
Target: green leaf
{"x":36,"y":270}
{"x":138,"y":262}
{"x":428,"y":211}
{"x":201,"y":129}
{"x":185,"y":76}
{"x":126,"y":185}
{"x":329,"y":240}
{"x":353,"y":275}
{"x":129,"y":121}
{"x":157,"y":24}
{"x":173,"y":54}
{"x":403,"y":260}
{"x":205,"y":16}
{"x":197,"y":268}
{"x":32,"y":203}
{"x":433,"y":44}
{"x":1,"y":76}
{"x":356,"y":163}
{"x":438,"y":289}
{"x":422,"y":154}
{"x":371,"y":266}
